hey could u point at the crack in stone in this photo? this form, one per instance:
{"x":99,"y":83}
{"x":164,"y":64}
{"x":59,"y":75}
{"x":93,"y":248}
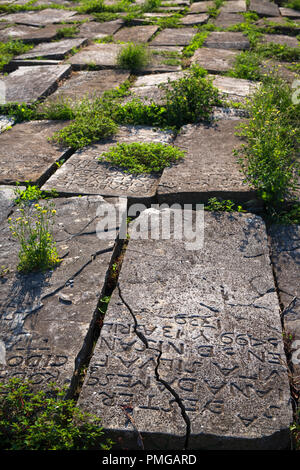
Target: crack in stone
{"x":157,"y":376}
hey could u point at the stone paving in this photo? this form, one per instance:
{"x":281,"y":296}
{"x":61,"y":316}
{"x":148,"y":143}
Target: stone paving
{"x":190,"y":353}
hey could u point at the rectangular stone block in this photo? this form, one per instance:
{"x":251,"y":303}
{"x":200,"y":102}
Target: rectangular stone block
{"x":94,"y":30}
{"x":214,"y":60}
{"x":52,"y":50}
{"x":39,"y":18}
{"x":264,"y":8}
{"x":135,"y":34}
{"x":227,"y":40}
{"x":201,"y":7}
{"x":191,"y":20}
{"x":196,"y":361}
{"x":45,"y":317}
{"x":174,"y":37}
{"x":99,"y":55}
{"x":234,"y":6}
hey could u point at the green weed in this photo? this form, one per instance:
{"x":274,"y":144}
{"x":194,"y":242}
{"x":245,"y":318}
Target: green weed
{"x":133,"y":57}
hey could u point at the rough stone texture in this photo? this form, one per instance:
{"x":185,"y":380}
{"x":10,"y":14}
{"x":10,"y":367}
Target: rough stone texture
{"x":94,"y":30}
{"x":235,"y":89}
{"x":45,"y":316}
{"x":190,"y":20}
{"x":285,"y":255}
{"x":157,"y":79}
{"x":201,"y":7}
{"x":26,"y":154}
{"x":289,"y":12}
{"x":227,"y":40}
{"x":135,"y":34}
{"x":28,"y":33}
{"x":280,"y":39}
{"x":53,"y":50}
{"x":28,"y":84}
{"x":83,"y":173}
{"x":39,"y":18}
{"x":100,"y":55}
{"x":7,"y":197}
{"x":174,"y":37}
{"x":234,"y":6}
{"x":264,"y":8}
{"x":224,"y":20}
{"x":214,"y":60}
{"x":282,"y":26}
{"x":209,"y":167}
{"x":89,"y":83}
{"x":204,"y":336}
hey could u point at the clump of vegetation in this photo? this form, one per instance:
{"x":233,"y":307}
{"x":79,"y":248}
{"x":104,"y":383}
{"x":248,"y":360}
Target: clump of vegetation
{"x":133,"y":57}
{"x":10,"y":49}
{"x":215,"y":204}
{"x":44,"y":420}
{"x":140,"y":158}
{"x":247,"y":65}
{"x":295,"y":4}
{"x":150,"y":5}
{"x":67,"y":32}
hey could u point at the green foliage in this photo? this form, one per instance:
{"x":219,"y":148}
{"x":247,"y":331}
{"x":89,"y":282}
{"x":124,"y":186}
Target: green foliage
{"x":67,"y":32}
{"x":105,"y":16}
{"x":10,"y":49}
{"x":195,"y":43}
{"x":169,"y":21}
{"x":135,"y":112}
{"x":295,"y":4}
{"x":133,"y":57}
{"x":60,"y":109}
{"x":247,"y":65}
{"x":279,"y":51}
{"x":44,"y":420}
{"x":222,"y":205}
{"x":139,"y":158}
{"x":150,"y":5}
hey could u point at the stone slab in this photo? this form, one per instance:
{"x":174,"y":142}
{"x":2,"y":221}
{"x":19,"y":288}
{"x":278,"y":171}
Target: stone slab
{"x":285,"y":256}
{"x":195,"y":19}
{"x":201,"y":7}
{"x":225,"y":20}
{"x":28,"y":33}
{"x":235,"y":89}
{"x":39,"y":18}
{"x":204,"y":337}
{"x":174,"y":37}
{"x":88,"y":83}
{"x":234,"y":6}
{"x":7,"y":198}
{"x":94,"y":30}
{"x":99,"y":55}
{"x":83,"y":173}
{"x":289,"y":41}
{"x":289,"y":12}
{"x":209,"y":168}
{"x":227,"y":40}
{"x":26,"y":153}
{"x":45,"y":317}
{"x":57,"y":50}
{"x":214,"y":60}
{"x":28,"y":84}
{"x":135,"y":34}
{"x":264,"y":8}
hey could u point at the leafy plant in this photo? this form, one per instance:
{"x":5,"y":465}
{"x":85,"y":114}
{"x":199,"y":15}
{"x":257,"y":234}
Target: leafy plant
{"x":133,"y":57}
{"x":10,"y":49}
{"x":67,"y":32}
{"x":295,"y":4}
{"x":44,"y":420}
{"x":139,"y":158}
{"x":247,"y":65}
{"x":222,"y":205}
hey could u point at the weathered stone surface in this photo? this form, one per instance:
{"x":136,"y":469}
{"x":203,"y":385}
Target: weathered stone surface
{"x":214,"y":60}
{"x":147,"y":89}
{"x":28,"y":84}
{"x":89,"y":83}
{"x":201,"y":7}
{"x":289,"y":12}
{"x":285,"y":255}
{"x":234,"y":6}
{"x":205,"y":337}
{"x":281,"y":26}
{"x":39,"y":18}
{"x":227,"y":40}
{"x":135,"y":33}
{"x":44,"y":335}
{"x":83,"y":173}
{"x":235,"y":89}
{"x":28,"y":33}
{"x":53,"y":50}
{"x":26,"y":154}
{"x":190,"y":20}
{"x":224,"y":20}
{"x":174,"y":37}
{"x":7,"y":197}
{"x":264,"y":8}
{"x":94,"y":30}
{"x":209,"y":168}
{"x":157,"y":79}
{"x":289,"y":41}
{"x":99,"y":55}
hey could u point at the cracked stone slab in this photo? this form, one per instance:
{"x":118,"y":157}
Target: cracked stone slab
{"x":264,"y":8}
{"x":285,"y":256}
{"x":214,"y":60}
{"x":289,"y":41}
{"x":227,"y":40}
{"x":88,"y":83}
{"x":209,"y":168}
{"x":209,"y":321}
{"x":57,"y":50}
{"x":135,"y":34}
{"x":99,"y":55}
{"x":45,"y":317}
{"x":7,"y":197}
{"x":83,"y":173}
{"x":174,"y":37}
{"x":27,"y":154}
{"x":94,"y":30}
{"x":39,"y":18}
{"x":201,"y":7}
{"x":29,"y":84}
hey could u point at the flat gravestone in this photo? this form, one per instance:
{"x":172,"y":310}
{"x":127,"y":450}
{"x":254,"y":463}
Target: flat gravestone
{"x":214,"y":60}
{"x":57,"y":50}
{"x":26,"y":153}
{"x":135,"y":34}
{"x":225,"y":20}
{"x":28,"y":84}
{"x":290,"y":13}
{"x":289,"y":41}
{"x":94,"y":30}
{"x":39,"y":18}
{"x":197,"y":361}
{"x":201,"y":7}
{"x":227,"y":40}
{"x":285,"y":256}
{"x":45,"y":317}
{"x":264,"y":8}
{"x":88,"y":83}
{"x":83,"y":173}
{"x":209,"y":168}
{"x":97,"y":55}
{"x":174,"y":37}
{"x":234,"y":6}
{"x":7,"y":198}
{"x":195,"y":19}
